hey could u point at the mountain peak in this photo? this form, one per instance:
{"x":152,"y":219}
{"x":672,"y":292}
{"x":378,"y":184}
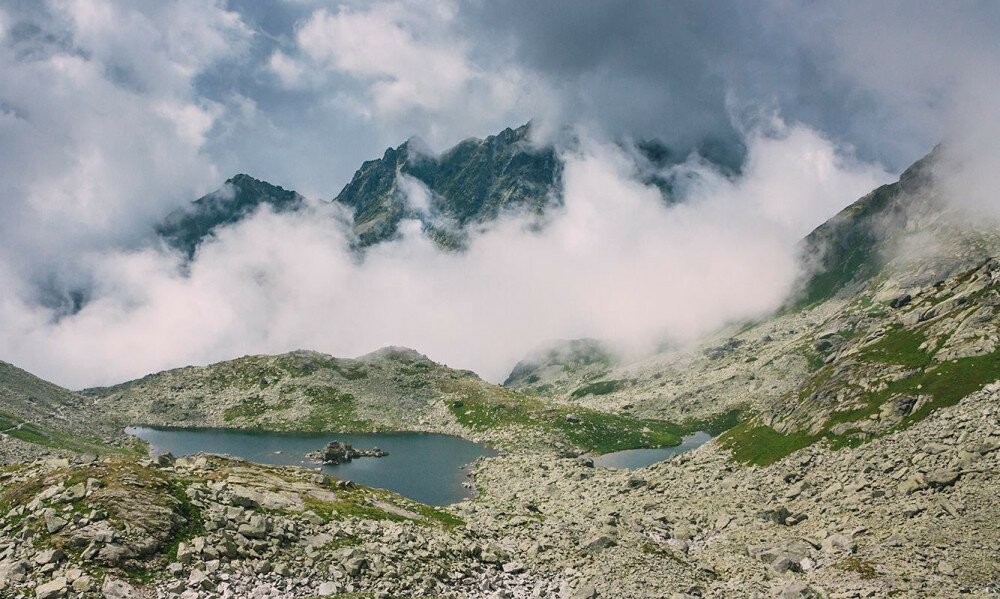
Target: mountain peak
{"x":241,"y":195}
{"x":472,"y":181}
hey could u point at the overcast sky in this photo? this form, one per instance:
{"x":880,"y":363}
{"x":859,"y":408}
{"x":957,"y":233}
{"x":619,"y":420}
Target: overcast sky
{"x":114,"y":112}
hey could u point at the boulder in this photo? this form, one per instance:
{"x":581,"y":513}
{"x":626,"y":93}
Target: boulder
{"x":52,"y":589}
{"x":54,"y":523}
{"x":49,"y":556}
{"x":942,"y":477}
{"x":84,"y":584}
{"x":115,"y":588}
{"x":597,"y":543}
{"x":583,"y":591}
{"x":837,"y":543}
{"x":256,"y":528}
{"x":783,"y":556}
{"x":200,"y":580}
{"x":913,"y":484}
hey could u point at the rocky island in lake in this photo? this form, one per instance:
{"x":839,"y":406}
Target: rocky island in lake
{"x":337,"y":452}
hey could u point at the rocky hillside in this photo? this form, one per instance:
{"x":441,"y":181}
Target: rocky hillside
{"x":912,"y":514}
{"x":908,"y":515}
{"x":211,"y":527}
{"x":37,"y":418}
{"x":881,"y":335}
{"x":391,"y":389}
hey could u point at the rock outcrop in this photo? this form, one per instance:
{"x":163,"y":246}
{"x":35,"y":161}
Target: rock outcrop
{"x":337,"y":452}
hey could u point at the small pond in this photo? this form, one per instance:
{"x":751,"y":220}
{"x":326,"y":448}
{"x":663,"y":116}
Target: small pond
{"x":425,"y":467}
{"x":631,"y":459}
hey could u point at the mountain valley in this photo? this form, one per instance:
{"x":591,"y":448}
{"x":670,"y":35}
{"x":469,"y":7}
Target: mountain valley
{"x":857,"y":453}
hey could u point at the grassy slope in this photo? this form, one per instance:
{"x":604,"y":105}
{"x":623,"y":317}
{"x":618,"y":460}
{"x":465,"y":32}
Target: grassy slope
{"x":591,"y":430}
{"x":945,"y":383}
{"x":48,"y":437}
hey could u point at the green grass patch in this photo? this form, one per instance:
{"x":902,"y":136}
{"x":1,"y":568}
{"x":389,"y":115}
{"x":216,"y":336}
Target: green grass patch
{"x":349,"y":504}
{"x":762,"y":445}
{"x":193,"y":526}
{"x":814,"y":360}
{"x":431,"y":513}
{"x":599,"y":388}
{"x":898,"y":346}
{"x":331,"y":410}
{"x":248,"y":409}
{"x":946,"y":383}
{"x":601,"y":432}
{"x":855,"y":564}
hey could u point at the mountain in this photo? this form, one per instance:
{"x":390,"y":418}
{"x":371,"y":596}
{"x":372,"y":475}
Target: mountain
{"x":473,"y":182}
{"x":38,"y":417}
{"x":859,"y":456}
{"x":390,"y":389}
{"x":470,"y":184}
{"x":557,"y":360}
{"x":238,"y":198}
{"x":888,"y":232}
{"x":899,"y":317}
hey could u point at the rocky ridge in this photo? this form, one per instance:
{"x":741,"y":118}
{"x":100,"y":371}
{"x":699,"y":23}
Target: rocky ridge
{"x":393,"y":389}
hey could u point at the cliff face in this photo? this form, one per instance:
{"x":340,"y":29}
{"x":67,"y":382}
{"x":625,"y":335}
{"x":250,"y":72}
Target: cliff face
{"x":472,"y":182}
{"x":238,"y":198}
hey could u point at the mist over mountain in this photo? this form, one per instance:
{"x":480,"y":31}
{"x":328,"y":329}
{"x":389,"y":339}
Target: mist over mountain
{"x":648,"y":299}
{"x":238,"y":198}
{"x":465,"y":187}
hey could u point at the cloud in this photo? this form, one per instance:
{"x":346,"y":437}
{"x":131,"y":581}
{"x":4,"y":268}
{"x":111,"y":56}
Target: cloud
{"x":101,"y":128}
{"x":614,"y":262}
{"x":112,"y":113}
{"x":411,"y":62}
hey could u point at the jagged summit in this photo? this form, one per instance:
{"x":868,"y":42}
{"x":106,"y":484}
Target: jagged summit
{"x":469,"y":184}
{"x":472,"y":182}
{"x":238,"y":197}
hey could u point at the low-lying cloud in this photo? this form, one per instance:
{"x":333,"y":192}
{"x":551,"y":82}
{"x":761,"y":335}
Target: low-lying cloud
{"x":614,"y":262}
{"x":115,"y":112}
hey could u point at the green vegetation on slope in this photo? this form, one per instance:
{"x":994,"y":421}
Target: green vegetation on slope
{"x":899,"y":346}
{"x":591,"y":430}
{"x":47,"y":437}
{"x":762,"y":445}
{"x":944,"y":383}
{"x":598,"y":388}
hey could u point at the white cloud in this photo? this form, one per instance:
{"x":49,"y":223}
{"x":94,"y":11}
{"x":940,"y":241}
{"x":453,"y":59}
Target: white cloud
{"x":102,"y":130}
{"x":411,"y":64}
{"x":614,"y":263}
{"x":416,"y":195}
{"x":289,"y":71}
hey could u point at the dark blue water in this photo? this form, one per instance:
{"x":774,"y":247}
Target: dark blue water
{"x":631,"y":459}
{"x":426,"y":467}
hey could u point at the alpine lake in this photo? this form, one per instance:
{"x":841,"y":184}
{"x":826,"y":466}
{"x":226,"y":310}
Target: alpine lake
{"x":426,"y":467}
